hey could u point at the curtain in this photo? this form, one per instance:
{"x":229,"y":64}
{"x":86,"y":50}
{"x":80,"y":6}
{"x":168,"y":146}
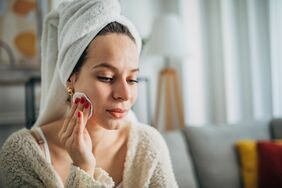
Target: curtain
{"x":276,"y":55}
{"x":233,"y":71}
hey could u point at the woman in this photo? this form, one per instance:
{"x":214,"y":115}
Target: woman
{"x":87,"y":141}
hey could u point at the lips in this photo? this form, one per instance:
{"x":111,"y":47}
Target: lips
{"x":117,"y":113}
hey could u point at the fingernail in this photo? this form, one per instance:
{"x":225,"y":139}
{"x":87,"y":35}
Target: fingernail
{"x":82,"y":100}
{"x":78,"y":114}
{"x":76,"y":100}
{"x":86,"y":105}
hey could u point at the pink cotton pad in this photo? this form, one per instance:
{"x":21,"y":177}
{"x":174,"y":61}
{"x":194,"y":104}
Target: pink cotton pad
{"x":79,"y":95}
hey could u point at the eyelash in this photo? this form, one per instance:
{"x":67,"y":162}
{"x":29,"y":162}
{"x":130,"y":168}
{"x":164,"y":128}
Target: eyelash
{"x":110,"y":80}
{"x":105,"y":79}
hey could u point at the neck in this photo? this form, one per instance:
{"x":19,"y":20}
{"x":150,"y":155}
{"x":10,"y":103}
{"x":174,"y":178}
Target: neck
{"x":98,"y":135}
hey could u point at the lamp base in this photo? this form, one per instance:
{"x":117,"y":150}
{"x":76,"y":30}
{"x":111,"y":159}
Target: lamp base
{"x":169,"y":91}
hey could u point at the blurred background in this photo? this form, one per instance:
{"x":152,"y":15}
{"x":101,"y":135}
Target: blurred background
{"x":203,"y":61}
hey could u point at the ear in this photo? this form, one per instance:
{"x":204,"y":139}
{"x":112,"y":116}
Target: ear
{"x":72,"y":79}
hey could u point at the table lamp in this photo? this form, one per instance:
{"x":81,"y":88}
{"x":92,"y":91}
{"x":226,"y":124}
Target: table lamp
{"x":168,"y":41}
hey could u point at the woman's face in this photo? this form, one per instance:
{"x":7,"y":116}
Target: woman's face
{"x":109,"y":78}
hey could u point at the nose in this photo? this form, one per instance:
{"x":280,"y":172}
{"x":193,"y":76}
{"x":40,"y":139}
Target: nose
{"x":121,"y":91}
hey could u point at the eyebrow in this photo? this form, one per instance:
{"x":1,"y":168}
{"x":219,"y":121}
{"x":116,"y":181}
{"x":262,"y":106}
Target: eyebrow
{"x":113,"y":68}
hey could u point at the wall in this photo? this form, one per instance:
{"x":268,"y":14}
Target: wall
{"x":143,"y":14}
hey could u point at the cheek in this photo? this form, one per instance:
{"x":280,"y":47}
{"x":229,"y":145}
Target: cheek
{"x":95,"y":91}
{"x":99,"y":94}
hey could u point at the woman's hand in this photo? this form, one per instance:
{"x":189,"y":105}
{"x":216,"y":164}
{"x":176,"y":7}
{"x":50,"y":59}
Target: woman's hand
{"x":75,"y":137}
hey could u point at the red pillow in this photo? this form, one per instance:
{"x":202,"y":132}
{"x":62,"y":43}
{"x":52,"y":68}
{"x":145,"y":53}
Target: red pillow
{"x":269,"y":164}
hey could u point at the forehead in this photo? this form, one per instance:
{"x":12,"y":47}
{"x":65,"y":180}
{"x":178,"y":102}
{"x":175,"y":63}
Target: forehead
{"x":112,"y":47}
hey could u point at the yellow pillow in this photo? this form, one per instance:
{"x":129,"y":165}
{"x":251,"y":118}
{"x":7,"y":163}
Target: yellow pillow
{"x":248,"y":159}
{"x":247,"y":150}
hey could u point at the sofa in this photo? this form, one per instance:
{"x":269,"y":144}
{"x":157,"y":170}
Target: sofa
{"x":206,"y":157}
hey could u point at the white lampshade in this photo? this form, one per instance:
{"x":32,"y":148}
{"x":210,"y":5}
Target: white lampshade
{"x":168,"y":38}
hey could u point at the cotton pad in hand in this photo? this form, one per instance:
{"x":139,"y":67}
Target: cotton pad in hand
{"x":79,"y":95}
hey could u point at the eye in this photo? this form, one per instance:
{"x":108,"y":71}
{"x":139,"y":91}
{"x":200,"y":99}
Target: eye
{"x":132,"y":81}
{"x":105,"y":79}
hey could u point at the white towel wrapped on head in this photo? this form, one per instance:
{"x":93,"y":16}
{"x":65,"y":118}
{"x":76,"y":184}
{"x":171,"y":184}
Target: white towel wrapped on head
{"x":67,"y":31}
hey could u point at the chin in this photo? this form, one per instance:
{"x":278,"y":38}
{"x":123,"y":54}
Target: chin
{"x":108,"y":122}
{"x":112,"y":124}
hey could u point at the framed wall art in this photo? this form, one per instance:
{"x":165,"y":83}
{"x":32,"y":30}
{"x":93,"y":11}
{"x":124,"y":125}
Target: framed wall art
{"x":20,"y":32}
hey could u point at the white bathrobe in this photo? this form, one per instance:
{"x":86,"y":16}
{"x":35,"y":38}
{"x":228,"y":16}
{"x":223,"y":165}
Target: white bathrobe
{"x":23,"y":164}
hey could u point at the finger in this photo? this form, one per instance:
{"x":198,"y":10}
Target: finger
{"x":68,"y":142}
{"x":80,"y":125}
{"x":69,"y":130}
{"x":86,"y":110}
{"x":80,"y":106}
{"x":71,"y":120}
{"x":78,"y":129}
{"x":69,"y":116}
{"x":74,"y":106}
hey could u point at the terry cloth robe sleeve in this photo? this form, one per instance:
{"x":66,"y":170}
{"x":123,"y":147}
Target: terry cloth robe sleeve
{"x":163,"y":175}
{"x":80,"y":179}
{"x":22,"y":164}
{"x":149,"y":163}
